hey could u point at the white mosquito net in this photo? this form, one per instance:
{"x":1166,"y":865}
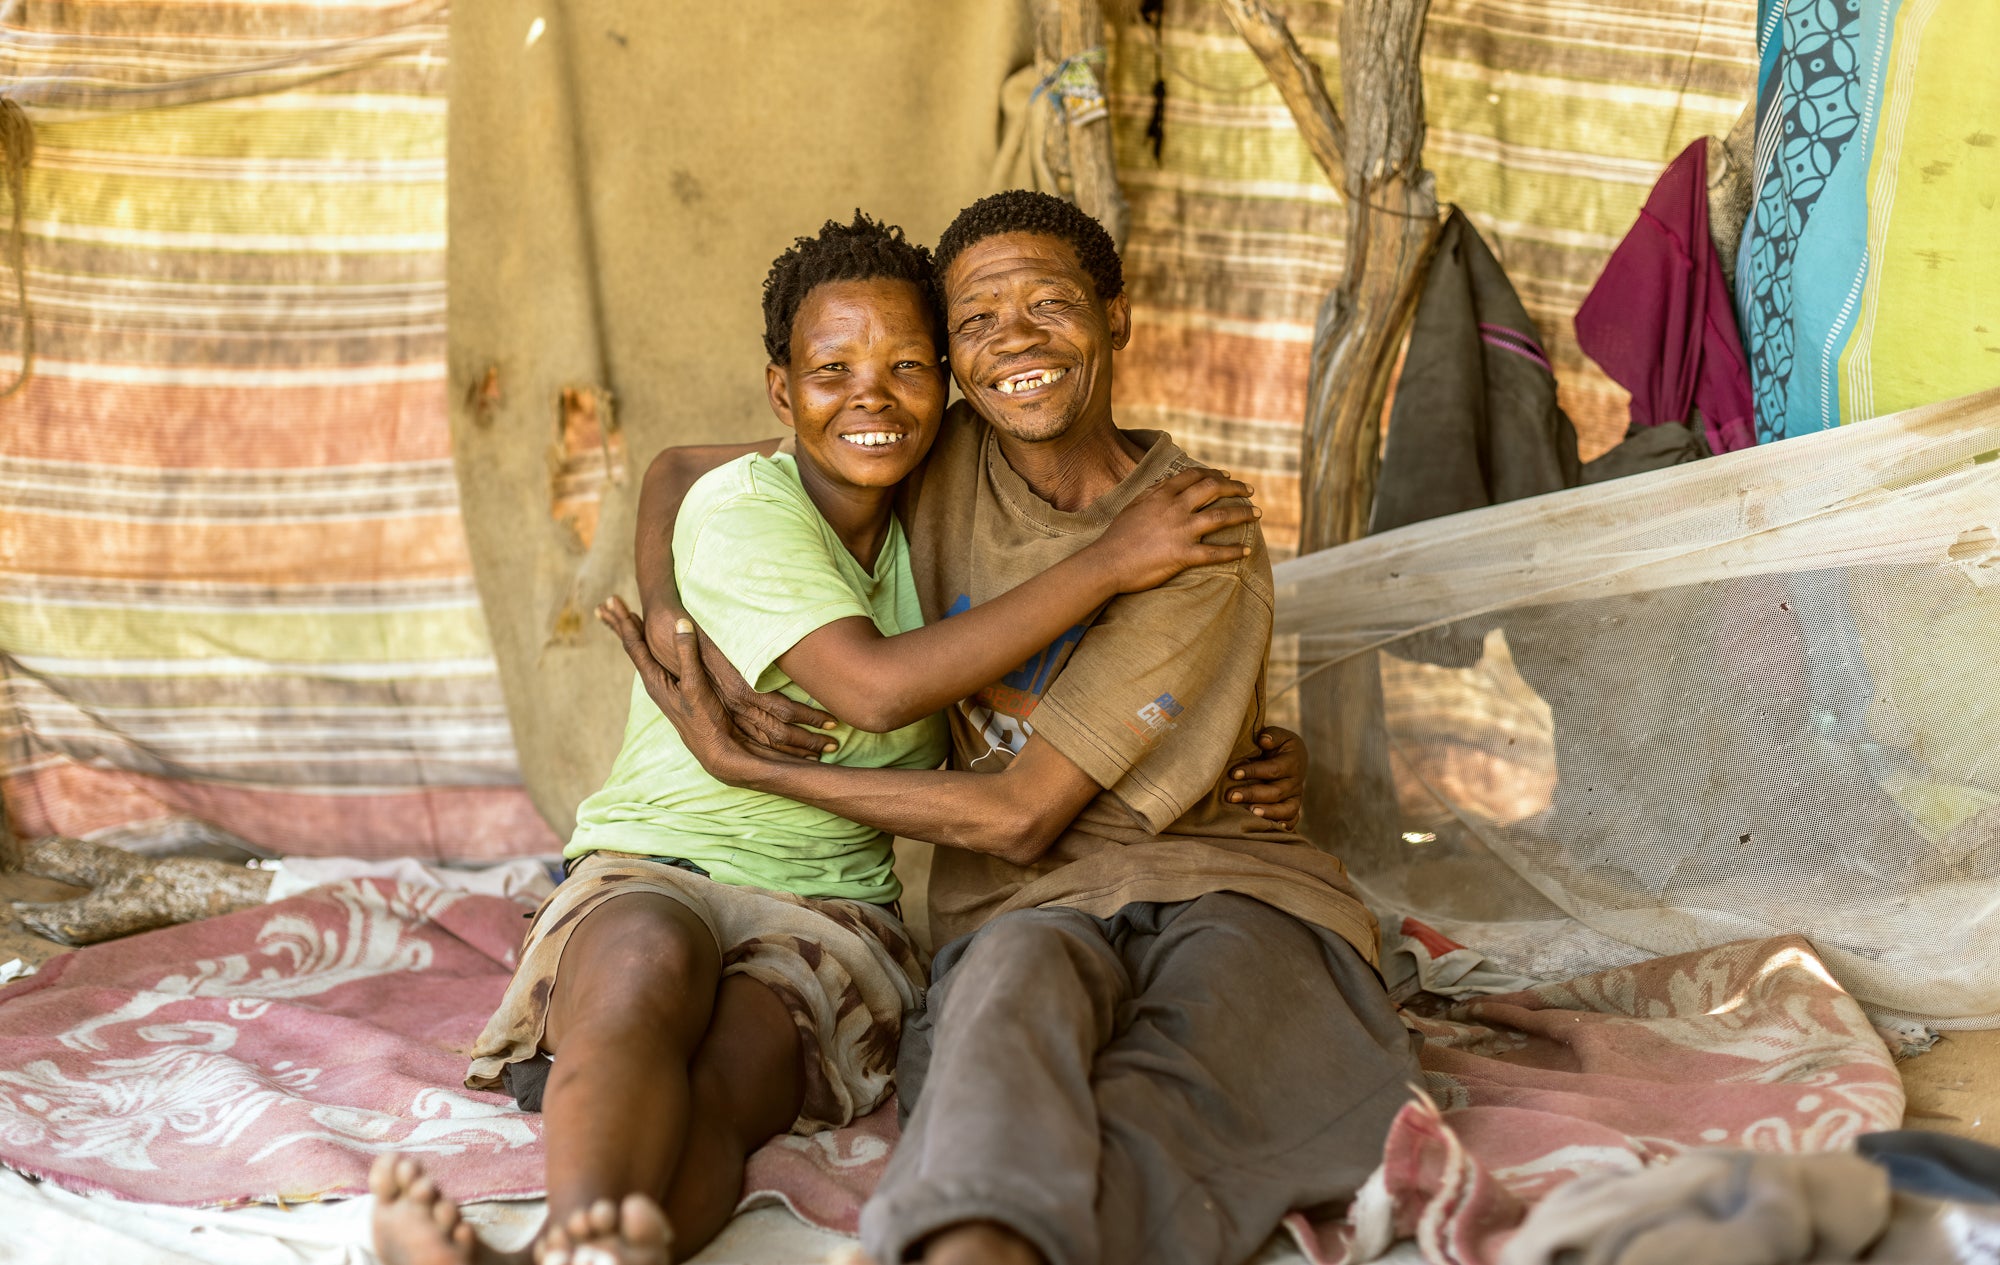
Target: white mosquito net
{"x":1754,"y":694}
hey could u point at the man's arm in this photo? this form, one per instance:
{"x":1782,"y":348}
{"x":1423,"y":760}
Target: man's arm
{"x":772,"y":719}
{"x":661,"y":493}
{"x":1014,"y":815}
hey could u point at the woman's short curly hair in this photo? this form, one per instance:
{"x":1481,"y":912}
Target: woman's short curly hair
{"x":860,"y":251}
{"x":1027,"y":211}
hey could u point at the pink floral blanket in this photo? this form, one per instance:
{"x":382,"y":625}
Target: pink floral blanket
{"x":270,"y":1055}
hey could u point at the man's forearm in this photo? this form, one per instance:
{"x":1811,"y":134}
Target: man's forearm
{"x":660,"y":497}
{"x":661,"y":493}
{"x":977,"y":812}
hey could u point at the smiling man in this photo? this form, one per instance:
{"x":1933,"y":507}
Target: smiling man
{"x":1155,"y":1029}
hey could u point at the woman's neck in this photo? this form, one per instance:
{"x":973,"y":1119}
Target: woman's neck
{"x":859,"y":516}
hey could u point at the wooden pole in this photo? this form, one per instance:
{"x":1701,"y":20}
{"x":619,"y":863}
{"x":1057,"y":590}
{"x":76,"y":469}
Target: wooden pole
{"x":1079,"y":148}
{"x":1374,"y":155}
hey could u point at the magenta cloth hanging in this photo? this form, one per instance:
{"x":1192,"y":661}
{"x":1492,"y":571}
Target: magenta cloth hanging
{"x":1659,"y":320}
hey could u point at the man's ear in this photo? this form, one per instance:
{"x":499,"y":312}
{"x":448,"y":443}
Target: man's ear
{"x":1118,"y":313}
{"x":779,"y":392}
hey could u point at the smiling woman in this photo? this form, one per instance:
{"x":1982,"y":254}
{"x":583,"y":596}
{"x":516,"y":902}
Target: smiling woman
{"x":862,"y":387}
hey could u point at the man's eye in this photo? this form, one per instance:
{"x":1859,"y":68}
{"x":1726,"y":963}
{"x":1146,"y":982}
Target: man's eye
{"x":835,"y":367}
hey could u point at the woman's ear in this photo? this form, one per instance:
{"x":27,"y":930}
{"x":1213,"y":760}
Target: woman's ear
{"x":779,"y":391}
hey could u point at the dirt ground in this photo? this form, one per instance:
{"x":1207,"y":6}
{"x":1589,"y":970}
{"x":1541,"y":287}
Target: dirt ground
{"x":1953,"y":1089}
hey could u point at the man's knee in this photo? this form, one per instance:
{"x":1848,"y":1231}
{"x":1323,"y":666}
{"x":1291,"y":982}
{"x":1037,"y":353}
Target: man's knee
{"x":1047,"y":946}
{"x":1032,"y":968}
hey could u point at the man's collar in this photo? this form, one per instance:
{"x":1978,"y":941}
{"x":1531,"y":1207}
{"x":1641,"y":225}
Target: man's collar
{"x":1161,"y":458}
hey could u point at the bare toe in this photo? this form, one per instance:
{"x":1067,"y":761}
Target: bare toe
{"x":632,"y":1232}
{"x":603,"y":1218}
{"x":382,"y":1177}
{"x":555,"y":1245}
{"x":642,"y":1225}
{"x":413,"y":1223}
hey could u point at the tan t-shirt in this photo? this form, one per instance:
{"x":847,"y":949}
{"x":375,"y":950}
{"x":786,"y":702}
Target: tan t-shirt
{"x":1153,"y":697}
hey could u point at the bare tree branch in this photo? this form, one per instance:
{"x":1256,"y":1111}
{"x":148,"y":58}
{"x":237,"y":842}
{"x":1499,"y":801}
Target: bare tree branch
{"x":1298,"y":81}
{"x":1375,"y":158}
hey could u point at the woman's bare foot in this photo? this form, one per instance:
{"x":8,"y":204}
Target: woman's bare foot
{"x":414,"y":1224}
{"x":634,"y":1232}
{"x":979,"y":1243}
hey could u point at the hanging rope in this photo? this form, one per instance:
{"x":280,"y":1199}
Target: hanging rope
{"x":1154,"y":14}
{"x":17,"y":144}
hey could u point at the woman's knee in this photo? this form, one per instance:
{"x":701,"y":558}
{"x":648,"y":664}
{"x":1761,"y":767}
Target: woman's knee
{"x":637,"y":961}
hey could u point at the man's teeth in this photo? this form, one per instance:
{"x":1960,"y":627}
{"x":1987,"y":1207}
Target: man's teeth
{"x":873,"y":438}
{"x":1029,"y":381}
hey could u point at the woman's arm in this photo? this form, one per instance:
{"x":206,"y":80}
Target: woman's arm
{"x":880,"y":683}
{"x":772,"y":720}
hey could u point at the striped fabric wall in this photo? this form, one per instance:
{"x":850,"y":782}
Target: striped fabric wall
{"x":235,"y":598}
{"x":1549,"y":121}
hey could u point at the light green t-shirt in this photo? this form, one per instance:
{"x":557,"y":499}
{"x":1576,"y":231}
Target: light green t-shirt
{"x":758,"y":569}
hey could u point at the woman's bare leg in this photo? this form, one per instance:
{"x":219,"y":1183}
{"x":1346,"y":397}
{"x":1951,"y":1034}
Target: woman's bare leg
{"x":748,"y":1080}
{"x":632,"y":1002}
{"x":663,"y":1085}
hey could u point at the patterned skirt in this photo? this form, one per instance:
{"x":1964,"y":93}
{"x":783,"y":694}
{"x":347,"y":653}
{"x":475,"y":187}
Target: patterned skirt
{"x":846,"y":970}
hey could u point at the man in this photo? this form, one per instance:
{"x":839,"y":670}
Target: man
{"x":1156,"y":1028}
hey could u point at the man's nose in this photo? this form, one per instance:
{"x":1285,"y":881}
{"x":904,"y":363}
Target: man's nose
{"x":1015,"y":330}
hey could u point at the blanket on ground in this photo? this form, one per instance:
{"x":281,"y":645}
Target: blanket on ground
{"x":269,"y":1055}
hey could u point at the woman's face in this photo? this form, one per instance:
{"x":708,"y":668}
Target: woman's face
{"x":864,"y":388}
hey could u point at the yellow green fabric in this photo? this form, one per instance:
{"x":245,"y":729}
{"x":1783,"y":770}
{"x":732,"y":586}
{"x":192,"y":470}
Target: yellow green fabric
{"x":1929,"y":328}
{"x":759,"y":569}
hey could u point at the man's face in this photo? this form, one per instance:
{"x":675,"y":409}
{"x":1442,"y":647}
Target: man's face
{"x":1031,"y":342}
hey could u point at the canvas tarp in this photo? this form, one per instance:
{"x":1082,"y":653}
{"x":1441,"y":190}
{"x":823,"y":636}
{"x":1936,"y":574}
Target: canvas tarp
{"x":621,"y":177}
{"x":235,"y":598}
{"x":618,"y":243}
{"x":1546,"y":123}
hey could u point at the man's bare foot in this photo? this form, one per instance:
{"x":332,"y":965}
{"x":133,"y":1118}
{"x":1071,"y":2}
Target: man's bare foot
{"x":414,"y":1224}
{"x":979,"y":1243}
{"x":634,"y":1232}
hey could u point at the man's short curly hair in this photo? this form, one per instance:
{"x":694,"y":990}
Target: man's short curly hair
{"x":860,"y":251}
{"x":1027,"y":211}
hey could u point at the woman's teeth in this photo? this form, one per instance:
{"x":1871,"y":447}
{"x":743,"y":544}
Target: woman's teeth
{"x":1029,"y":381}
{"x":873,"y":438}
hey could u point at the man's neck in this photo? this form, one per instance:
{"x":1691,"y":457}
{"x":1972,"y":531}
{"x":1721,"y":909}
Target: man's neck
{"x":1077,"y":469}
